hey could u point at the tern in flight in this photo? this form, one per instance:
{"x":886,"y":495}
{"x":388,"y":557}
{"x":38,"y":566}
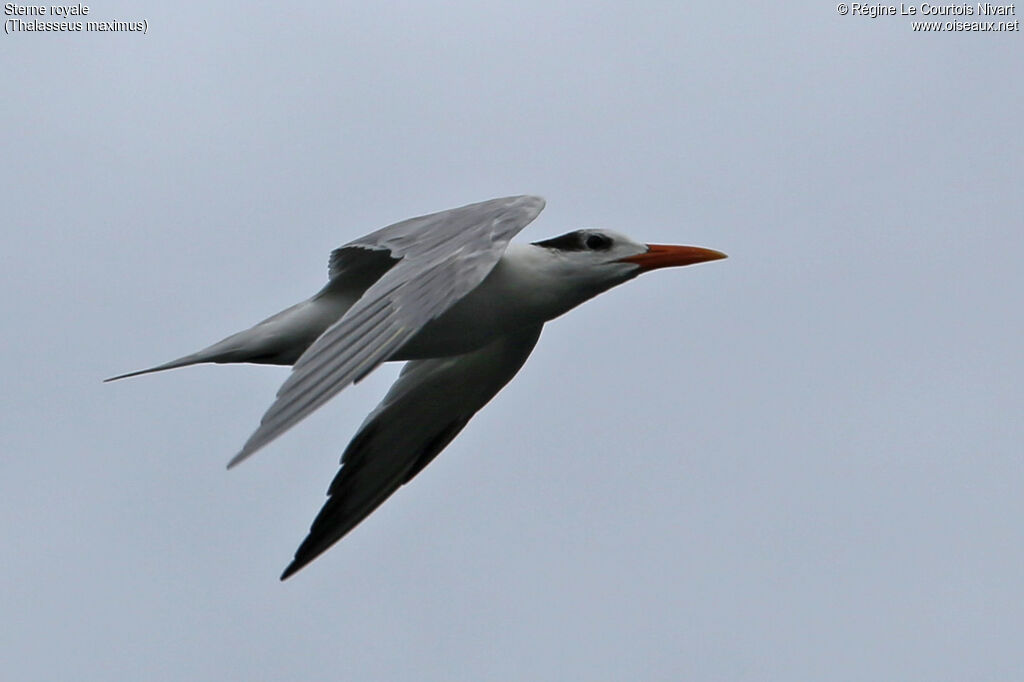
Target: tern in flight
{"x":447,"y":293}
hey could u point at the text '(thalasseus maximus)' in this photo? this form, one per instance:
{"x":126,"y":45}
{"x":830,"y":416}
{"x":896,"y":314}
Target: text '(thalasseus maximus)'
{"x":448,"y":293}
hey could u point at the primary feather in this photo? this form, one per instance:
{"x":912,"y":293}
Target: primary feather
{"x":441,"y":258}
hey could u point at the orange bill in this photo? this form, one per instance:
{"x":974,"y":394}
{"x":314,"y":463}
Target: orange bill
{"x":667,"y":256}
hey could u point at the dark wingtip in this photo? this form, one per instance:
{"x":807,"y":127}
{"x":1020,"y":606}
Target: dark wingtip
{"x":292,"y":569}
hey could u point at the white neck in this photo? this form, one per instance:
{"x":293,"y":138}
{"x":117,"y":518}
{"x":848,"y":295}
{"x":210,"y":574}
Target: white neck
{"x":528,"y":286}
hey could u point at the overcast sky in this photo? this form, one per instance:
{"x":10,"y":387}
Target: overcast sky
{"x":800,"y":463}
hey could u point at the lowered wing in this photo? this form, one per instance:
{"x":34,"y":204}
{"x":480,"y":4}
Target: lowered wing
{"x":427,"y":406}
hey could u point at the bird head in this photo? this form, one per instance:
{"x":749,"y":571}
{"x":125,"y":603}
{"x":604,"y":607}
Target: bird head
{"x":580,"y":265}
{"x":601,"y":259}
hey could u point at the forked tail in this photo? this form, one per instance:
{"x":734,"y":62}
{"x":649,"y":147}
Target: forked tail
{"x":190,"y":359}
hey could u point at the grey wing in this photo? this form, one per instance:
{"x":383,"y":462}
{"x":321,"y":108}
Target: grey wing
{"x":442,"y":257}
{"x":424,"y":410}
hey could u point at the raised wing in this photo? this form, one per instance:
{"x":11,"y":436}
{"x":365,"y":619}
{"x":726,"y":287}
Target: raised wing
{"x":443,"y":256}
{"x":424,"y":410}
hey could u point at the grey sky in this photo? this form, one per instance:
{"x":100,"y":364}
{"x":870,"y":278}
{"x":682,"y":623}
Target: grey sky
{"x":802,"y":463}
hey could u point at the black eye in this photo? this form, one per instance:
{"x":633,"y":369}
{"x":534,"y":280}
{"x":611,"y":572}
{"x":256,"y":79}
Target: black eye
{"x":598,"y":242}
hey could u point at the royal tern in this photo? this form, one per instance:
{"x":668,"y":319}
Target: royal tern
{"x":448,"y":293}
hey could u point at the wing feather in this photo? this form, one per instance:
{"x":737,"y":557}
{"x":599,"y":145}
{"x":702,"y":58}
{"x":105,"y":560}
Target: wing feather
{"x":427,"y":406}
{"x":443,"y":256}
